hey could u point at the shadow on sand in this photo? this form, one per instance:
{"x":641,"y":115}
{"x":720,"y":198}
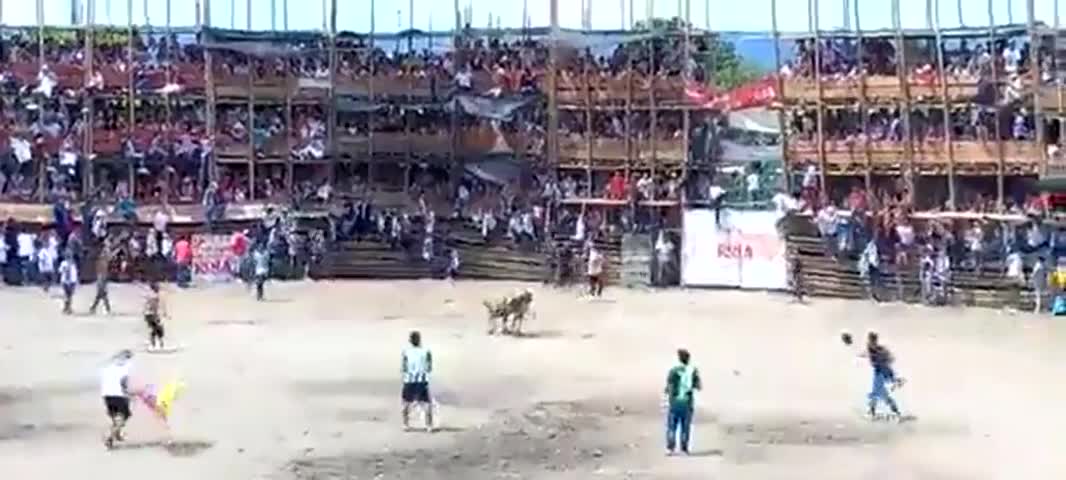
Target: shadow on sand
{"x":174,"y":448}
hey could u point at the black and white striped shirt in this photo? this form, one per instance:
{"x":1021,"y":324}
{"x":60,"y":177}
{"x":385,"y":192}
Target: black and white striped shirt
{"x":417,"y":365}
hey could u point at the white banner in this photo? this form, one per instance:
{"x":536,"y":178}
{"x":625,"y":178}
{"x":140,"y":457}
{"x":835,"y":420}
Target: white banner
{"x":745,"y":250}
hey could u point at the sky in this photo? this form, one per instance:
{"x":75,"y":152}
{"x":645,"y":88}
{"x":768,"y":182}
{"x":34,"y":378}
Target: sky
{"x":392,"y":15}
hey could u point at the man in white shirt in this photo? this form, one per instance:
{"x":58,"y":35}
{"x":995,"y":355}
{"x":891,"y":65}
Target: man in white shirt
{"x":1015,"y":273}
{"x":752,"y":181}
{"x":46,"y":265}
{"x":416,"y":367}
{"x":870,"y":268}
{"x":664,"y":257}
{"x":68,"y":278}
{"x":595,"y":272}
{"x":114,"y":387}
{"x":25,"y":247}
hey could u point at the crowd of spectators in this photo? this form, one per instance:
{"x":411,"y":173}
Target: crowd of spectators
{"x":963,"y":58}
{"x":887,"y":243}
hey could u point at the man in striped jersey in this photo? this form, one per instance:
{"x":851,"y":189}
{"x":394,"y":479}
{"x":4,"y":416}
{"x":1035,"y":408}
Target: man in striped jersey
{"x":417,"y":365}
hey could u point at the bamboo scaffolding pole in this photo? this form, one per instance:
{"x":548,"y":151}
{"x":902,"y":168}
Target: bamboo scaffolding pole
{"x":589,"y":131}
{"x":653,"y":99}
{"x":42,"y":160}
{"x":453,"y":116}
{"x":781,"y":123}
{"x":252,"y":154}
{"x":168,"y":111}
{"x":1035,"y":65}
{"x":1000,"y":170}
{"x":949,"y":145}
{"x":632,"y":152}
{"x":812,"y":10}
{"x":209,"y":172}
{"x":130,"y":95}
{"x":290,"y":85}
{"x":89,"y":107}
{"x":864,"y":113}
{"x":553,"y":84}
{"x":372,"y":67}
{"x":331,"y":127}
{"x":902,"y":73}
{"x":686,"y":119}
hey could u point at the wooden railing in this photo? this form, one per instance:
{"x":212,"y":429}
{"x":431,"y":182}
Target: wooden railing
{"x":577,"y":148}
{"x":1018,"y":156}
{"x":877,"y":87}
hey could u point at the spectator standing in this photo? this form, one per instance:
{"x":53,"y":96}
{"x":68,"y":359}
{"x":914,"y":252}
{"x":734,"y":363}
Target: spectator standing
{"x":183,"y":259}
{"x":261,"y":265}
{"x":1039,"y":282}
{"x":99,"y":225}
{"x":239,"y":249}
{"x":26,"y":256}
{"x":214,"y":206}
{"x":68,"y":278}
{"x":1015,"y":276}
{"x":869,"y":268}
{"x":103,"y":278}
{"x":664,"y":258}
{"x":46,"y":263}
{"x":595,"y":272}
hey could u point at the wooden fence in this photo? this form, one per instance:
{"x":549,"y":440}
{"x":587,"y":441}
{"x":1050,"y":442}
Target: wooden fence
{"x":823,"y":275}
{"x":480,"y":259}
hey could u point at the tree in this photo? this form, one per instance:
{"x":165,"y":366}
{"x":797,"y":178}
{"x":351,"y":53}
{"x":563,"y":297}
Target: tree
{"x":725,"y":68}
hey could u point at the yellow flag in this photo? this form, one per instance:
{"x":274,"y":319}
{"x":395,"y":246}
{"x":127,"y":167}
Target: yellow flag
{"x":165,"y":399}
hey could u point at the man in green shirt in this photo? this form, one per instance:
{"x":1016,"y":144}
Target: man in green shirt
{"x":681,"y":381}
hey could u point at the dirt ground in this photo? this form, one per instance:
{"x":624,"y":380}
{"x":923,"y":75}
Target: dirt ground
{"x":306,"y":386}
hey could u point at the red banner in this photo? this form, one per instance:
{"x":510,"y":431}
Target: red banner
{"x":760,"y":93}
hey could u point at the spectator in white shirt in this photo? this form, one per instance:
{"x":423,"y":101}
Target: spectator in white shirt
{"x":46,"y":265}
{"x":464,"y":79}
{"x":68,"y":278}
{"x":26,"y":253}
{"x":664,"y":257}
{"x":595,"y":271}
{"x":752,"y":181}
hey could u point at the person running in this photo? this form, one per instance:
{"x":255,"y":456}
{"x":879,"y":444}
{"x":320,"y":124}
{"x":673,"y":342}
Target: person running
{"x":681,"y":382}
{"x":417,"y":366}
{"x":68,"y":278}
{"x":154,"y":311}
{"x":103,"y":279}
{"x":114,"y":387}
{"x":884,"y":375}
{"x":261,"y":265}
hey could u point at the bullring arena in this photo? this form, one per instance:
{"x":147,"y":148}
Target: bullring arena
{"x":306,"y":385}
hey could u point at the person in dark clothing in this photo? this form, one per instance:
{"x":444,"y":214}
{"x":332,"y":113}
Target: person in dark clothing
{"x":103,"y":267}
{"x":796,"y":277}
{"x":682,"y":381}
{"x":884,"y":375}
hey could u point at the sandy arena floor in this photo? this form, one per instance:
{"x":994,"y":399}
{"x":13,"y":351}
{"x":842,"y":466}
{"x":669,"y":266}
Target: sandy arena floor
{"x":306,"y":386}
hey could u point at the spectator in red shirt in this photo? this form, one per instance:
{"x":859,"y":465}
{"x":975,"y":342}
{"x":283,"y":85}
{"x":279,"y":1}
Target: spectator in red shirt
{"x":616,"y":187}
{"x":239,"y":247}
{"x":183,"y":257}
{"x":857,"y":200}
{"x":239,"y":244}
